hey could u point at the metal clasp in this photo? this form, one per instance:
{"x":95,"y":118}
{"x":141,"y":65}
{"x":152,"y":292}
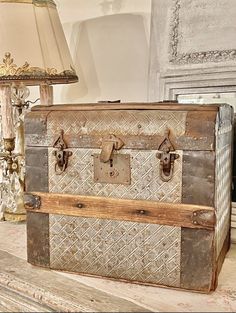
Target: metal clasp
{"x":62,"y":155}
{"x":166,"y":158}
{"x":109,"y":144}
{"x":109,"y":167}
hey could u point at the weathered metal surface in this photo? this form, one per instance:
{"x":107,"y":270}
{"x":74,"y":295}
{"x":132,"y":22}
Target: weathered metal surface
{"x":125,"y":250}
{"x":117,"y":122}
{"x":32,"y":201}
{"x":35,"y":126}
{"x":206,"y":127}
{"x":61,"y":154}
{"x":198,"y":181}
{"x":140,"y":142}
{"x":38,"y":239}
{"x":36,"y":160}
{"x":199,"y":135}
{"x":146,"y":183}
{"x":220,"y":260}
{"x":116,"y":171}
{"x":223,"y":175}
{"x":36,"y":123}
{"x":204,"y":218}
{"x":86,"y":237}
{"x":166,"y":158}
{"x":110,"y":143}
{"x":197,"y":259}
{"x":137,"y":129}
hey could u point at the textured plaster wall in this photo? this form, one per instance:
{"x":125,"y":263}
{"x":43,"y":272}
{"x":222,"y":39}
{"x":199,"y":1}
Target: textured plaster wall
{"x":109,"y":43}
{"x":193,"y":45}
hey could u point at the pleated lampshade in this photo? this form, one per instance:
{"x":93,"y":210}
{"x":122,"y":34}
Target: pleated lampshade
{"x":33,"y":48}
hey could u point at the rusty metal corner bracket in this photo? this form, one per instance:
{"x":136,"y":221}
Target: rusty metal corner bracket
{"x":204,"y":218}
{"x":32,"y":202}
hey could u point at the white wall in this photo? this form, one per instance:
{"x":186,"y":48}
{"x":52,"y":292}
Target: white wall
{"x":109,"y":43}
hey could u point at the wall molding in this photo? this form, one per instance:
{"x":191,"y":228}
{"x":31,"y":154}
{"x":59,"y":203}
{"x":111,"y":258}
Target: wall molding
{"x":177,"y":58}
{"x":172,"y":86}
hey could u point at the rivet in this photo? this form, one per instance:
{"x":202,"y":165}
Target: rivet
{"x":80,"y":205}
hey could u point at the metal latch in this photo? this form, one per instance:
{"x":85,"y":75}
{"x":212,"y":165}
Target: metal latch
{"x":166,"y":158}
{"x":62,"y":155}
{"x":109,"y":144}
{"x":110,"y":167}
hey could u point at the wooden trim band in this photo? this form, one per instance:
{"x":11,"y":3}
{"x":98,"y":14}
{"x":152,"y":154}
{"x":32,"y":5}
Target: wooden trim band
{"x":168,"y":106}
{"x":172,"y":214}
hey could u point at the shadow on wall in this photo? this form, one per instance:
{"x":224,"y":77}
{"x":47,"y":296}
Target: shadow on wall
{"x":111,"y":60}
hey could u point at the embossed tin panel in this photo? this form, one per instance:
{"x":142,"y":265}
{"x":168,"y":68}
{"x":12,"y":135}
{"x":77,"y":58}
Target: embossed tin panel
{"x":148,"y":253}
{"x":146,"y":183}
{"x":139,"y":122}
{"x":223,"y":174}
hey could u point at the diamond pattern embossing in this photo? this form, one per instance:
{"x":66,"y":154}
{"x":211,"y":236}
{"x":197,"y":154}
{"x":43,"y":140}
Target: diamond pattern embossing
{"x":118,"y":122}
{"x":145,"y":179}
{"x":223,"y":195}
{"x":119,"y":249}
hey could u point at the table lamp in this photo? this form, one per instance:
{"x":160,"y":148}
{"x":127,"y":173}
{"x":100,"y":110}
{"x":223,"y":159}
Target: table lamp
{"x":33,"y":51}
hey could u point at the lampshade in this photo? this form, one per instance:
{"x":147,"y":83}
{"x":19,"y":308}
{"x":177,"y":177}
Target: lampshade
{"x":33,"y":48}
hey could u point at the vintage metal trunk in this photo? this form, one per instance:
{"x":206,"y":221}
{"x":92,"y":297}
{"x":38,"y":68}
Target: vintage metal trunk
{"x":135,"y":192}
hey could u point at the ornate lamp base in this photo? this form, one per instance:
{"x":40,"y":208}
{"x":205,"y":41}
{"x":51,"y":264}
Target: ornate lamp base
{"x":12,"y":194}
{"x":14,"y":217}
